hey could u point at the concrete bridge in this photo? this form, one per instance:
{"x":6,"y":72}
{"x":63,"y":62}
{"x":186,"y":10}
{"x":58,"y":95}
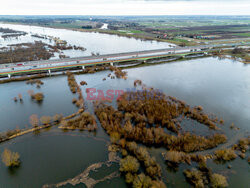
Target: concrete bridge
{"x":22,"y":67}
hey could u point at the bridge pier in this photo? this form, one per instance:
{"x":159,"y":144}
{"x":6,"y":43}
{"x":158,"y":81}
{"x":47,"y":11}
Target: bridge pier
{"x":9,"y":75}
{"x":83,"y":67}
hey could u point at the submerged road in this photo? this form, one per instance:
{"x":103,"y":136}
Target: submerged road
{"x":8,"y":69}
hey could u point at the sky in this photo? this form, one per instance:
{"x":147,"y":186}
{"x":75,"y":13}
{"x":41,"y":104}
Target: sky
{"x":125,"y":7}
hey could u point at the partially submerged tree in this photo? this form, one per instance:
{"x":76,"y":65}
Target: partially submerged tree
{"x":38,"y":97}
{"x":34,"y":121}
{"x":10,"y":159}
{"x":194,"y":176}
{"x":57,"y":117}
{"x":45,"y":120}
{"x":20,"y":97}
{"x":142,"y":181}
{"x":218,"y":181}
{"x":225,"y":154}
{"x":129,"y":164}
{"x":114,"y":137}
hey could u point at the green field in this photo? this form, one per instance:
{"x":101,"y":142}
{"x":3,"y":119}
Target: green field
{"x":244,"y":34}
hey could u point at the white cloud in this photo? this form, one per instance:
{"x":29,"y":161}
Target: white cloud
{"x":124,"y":7}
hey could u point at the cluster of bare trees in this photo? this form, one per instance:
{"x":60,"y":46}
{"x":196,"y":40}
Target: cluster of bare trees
{"x":45,"y":120}
{"x":4,"y":136}
{"x":8,"y":30}
{"x":75,"y":88}
{"x":225,"y":154}
{"x":119,"y":73}
{"x":72,"y":82}
{"x":38,"y":97}
{"x":84,"y":121}
{"x":150,"y":106}
{"x":141,"y":118}
{"x":31,"y":52}
{"x":19,"y":98}
{"x":37,"y":82}
{"x":110,"y":76}
{"x":82,"y":83}
{"x":22,"y":78}
{"x":243,"y":145}
{"x":58,"y":47}
{"x":135,"y":157}
{"x":129,"y":166}
{"x":203,"y":176}
{"x":135,"y":127}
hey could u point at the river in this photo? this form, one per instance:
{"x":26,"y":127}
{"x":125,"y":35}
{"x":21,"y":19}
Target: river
{"x":93,"y":42}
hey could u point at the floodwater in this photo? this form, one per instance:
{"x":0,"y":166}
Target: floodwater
{"x":222,"y":87}
{"x":93,"y":42}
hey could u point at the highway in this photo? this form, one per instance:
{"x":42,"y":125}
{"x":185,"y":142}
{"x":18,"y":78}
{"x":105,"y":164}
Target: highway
{"x":12,"y":68}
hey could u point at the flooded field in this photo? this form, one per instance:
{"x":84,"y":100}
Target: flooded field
{"x":221,"y":87}
{"x":93,"y":42}
{"x":54,"y":156}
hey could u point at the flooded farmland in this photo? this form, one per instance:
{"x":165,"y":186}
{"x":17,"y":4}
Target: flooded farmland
{"x":51,"y":156}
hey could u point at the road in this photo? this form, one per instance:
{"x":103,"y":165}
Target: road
{"x":8,"y":69}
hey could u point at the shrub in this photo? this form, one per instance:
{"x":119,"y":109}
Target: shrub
{"x":176,"y":156}
{"x":137,"y":82}
{"x":142,"y":181}
{"x":218,"y":181}
{"x":83,"y":83}
{"x":244,"y":144}
{"x":38,"y":97}
{"x":118,"y":72}
{"x":194,"y":176}
{"x":85,"y":121}
{"x":225,"y":154}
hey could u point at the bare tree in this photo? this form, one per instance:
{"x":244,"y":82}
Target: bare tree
{"x":34,"y":121}
{"x":45,"y":120}
{"x":10,"y":159}
{"x":20,"y":97}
